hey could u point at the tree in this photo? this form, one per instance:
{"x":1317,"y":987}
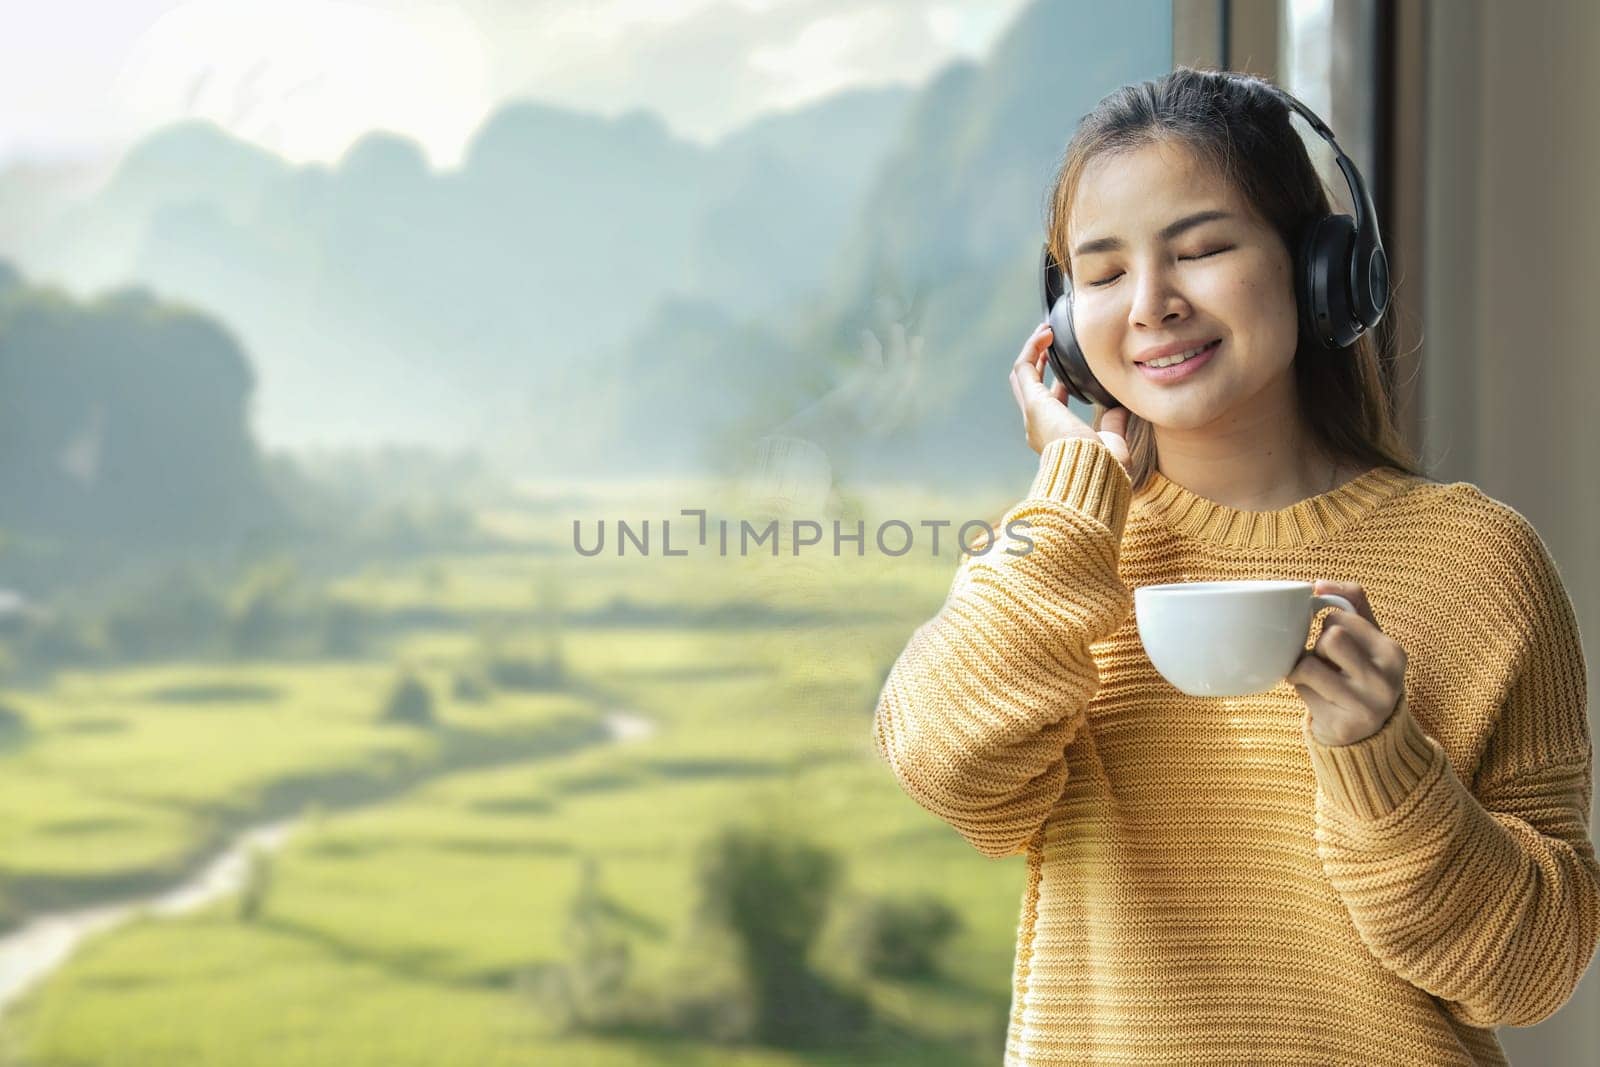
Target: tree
{"x":772,"y":894}
{"x":410,"y":703}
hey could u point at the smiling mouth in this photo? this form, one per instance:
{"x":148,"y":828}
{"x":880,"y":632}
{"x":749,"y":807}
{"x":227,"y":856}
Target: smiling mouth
{"x":1193,"y":352}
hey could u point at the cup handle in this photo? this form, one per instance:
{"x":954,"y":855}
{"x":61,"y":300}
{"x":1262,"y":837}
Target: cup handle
{"x":1331,"y":600}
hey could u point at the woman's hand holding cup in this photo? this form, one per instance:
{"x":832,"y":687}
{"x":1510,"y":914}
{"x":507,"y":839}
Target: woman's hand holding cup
{"x":1235,"y":638}
{"x":1045,"y":415}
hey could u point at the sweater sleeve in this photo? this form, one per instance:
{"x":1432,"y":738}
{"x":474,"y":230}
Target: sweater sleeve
{"x":1487,"y":898}
{"x":976,"y":712}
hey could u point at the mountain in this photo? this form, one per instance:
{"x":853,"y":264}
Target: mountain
{"x":788,"y":186}
{"x":897,"y":369}
{"x":34,"y":194}
{"x":593,"y":294}
{"x":954,"y":221}
{"x":385,"y":300}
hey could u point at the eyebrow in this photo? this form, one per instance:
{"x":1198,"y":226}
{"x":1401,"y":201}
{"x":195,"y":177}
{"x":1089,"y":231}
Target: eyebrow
{"x":1188,"y":222}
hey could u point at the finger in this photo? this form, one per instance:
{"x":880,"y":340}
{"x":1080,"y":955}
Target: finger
{"x":1339,"y":647}
{"x":1115,"y":420}
{"x":1033,"y":389}
{"x":1044,"y":368}
{"x":1352,"y":592}
{"x":1026,"y":380}
{"x":1027,"y":374}
{"x":1018,"y":377}
{"x":1312,"y":673}
{"x":1030,"y":347}
{"x":1364,"y":632}
{"x":1059,"y":391}
{"x":1371,"y":677}
{"x":1027,"y":364}
{"x":1379,"y":660}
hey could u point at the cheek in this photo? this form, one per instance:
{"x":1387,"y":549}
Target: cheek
{"x":1258,"y":302}
{"x":1097,"y":323}
{"x":1239,"y":294}
{"x":1097,"y":320}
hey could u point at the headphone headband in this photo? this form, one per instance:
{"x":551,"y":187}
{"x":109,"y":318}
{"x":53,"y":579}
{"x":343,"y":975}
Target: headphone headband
{"x":1366,"y":213}
{"x":1338,"y":310}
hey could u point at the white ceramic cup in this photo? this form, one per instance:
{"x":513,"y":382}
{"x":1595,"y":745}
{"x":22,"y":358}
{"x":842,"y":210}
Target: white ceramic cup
{"x":1227,"y":639}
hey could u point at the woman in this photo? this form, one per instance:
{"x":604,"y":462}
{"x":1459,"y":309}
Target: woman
{"x":1378,"y":861}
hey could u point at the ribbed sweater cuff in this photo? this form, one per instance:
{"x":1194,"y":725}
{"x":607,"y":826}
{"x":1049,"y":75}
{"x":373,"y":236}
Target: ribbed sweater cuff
{"x":1374,"y":776}
{"x":1081,"y":473}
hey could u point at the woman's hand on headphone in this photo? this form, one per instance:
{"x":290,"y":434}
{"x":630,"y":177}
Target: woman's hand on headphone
{"x":1045,"y":415}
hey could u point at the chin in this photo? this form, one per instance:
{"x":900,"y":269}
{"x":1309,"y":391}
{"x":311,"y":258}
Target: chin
{"x":1172,"y":413}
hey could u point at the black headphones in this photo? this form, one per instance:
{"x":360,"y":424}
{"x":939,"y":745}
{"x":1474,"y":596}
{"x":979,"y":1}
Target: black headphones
{"x":1341,"y":278}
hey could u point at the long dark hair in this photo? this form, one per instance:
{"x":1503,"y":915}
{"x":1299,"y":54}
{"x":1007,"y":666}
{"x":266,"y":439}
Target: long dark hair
{"x":1238,"y":125}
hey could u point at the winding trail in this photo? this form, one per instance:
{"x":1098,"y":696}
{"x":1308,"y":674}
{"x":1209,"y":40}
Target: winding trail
{"x":33,"y":951}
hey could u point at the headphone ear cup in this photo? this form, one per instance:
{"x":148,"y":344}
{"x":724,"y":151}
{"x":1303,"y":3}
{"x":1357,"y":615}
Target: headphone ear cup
{"x":1326,"y":310}
{"x":1068,"y":361}
{"x":1065,"y":356}
{"x":1371,"y":279}
{"x":1063,"y":350}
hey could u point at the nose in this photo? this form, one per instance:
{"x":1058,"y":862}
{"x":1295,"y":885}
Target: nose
{"x":1157,"y":301}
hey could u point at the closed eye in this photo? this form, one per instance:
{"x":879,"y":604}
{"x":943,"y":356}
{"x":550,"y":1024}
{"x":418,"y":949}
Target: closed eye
{"x":1202,"y":255}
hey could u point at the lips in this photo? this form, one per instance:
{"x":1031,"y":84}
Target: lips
{"x":1179,"y":371}
{"x":1168,"y":353}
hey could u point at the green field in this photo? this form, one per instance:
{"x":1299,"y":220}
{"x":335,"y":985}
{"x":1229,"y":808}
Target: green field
{"x":435,"y":867}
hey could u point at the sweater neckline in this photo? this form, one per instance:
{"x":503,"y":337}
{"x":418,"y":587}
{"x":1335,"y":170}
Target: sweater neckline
{"x":1316,"y":518}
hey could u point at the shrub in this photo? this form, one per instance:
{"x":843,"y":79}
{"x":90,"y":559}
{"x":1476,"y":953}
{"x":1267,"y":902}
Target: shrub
{"x":742,"y":972}
{"x":525,"y":673}
{"x":900,"y":936}
{"x":260,"y":610}
{"x":592,"y":991}
{"x":410,"y":703}
{"x":175,"y":612}
{"x":469,"y":686}
{"x":257,"y":885}
{"x":710,"y":996}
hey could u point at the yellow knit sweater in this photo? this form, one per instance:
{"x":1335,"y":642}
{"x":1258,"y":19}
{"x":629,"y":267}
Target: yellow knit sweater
{"x":1206,"y":884}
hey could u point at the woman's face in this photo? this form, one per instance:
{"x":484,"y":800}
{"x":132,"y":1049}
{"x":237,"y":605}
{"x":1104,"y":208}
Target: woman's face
{"x":1164,"y":251}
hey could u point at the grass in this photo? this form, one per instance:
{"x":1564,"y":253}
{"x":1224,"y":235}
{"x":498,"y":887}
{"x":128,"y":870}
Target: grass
{"x":121,"y":783}
{"x":394,"y":932}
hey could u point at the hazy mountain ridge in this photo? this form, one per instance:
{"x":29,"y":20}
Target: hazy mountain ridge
{"x":454,"y":297}
{"x":953,"y":225}
{"x":591,"y":294}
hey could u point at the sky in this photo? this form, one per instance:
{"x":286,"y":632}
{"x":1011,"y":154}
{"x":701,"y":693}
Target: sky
{"x":82,"y":79}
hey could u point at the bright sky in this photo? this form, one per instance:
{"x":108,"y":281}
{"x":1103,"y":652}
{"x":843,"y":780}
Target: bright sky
{"x":83,"y":78}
